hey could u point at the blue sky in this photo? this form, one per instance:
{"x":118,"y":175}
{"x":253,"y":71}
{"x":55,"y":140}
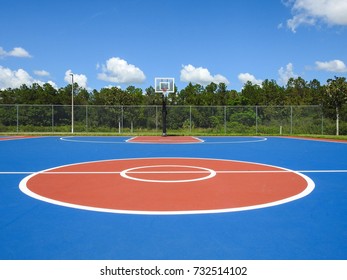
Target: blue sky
{"x":130,"y":42}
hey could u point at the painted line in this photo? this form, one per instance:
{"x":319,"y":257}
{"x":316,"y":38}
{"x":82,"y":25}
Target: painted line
{"x":256,"y":139}
{"x":306,"y":192}
{"x":325,"y":140}
{"x":165,"y":140}
{"x":198,"y":139}
{"x":69,"y":139}
{"x":170,"y":172}
{"x":10,"y":138}
{"x":125,"y":141}
{"x":310,"y":187}
{"x":211,"y":173}
{"x":130,"y":139}
{"x":201,"y":141}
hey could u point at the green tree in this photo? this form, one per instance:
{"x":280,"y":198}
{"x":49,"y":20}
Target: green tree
{"x":316,"y":93}
{"x":271,"y":93}
{"x":191,"y":95}
{"x":135,"y":96}
{"x":233,"y":98}
{"x":81,"y":97}
{"x":9,"y":96}
{"x":50,"y":94}
{"x":152,"y":97}
{"x":336,"y":94}
{"x":297,"y":91}
{"x":251,"y":94}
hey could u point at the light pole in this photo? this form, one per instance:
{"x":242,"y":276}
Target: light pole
{"x":71,"y":102}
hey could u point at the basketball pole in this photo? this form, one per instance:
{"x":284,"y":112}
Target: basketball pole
{"x":164,"y":86}
{"x":72,"y":117}
{"x":164,"y":113}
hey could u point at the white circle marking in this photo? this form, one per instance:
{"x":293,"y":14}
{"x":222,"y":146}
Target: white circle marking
{"x":125,"y":173}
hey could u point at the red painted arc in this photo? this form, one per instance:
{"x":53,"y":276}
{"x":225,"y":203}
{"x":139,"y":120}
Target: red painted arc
{"x":8,"y":138}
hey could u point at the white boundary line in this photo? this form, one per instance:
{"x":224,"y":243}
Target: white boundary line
{"x":310,"y":187}
{"x":170,"y":172}
{"x":69,"y":139}
{"x":11,"y":138}
{"x":163,"y":142}
{"x":324,"y":140}
{"x":256,"y":139}
{"x":130,"y":139}
{"x":202,"y":141}
{"x":197,"y":138}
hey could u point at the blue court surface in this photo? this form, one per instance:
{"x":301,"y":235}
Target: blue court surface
{"x":313,"y":227}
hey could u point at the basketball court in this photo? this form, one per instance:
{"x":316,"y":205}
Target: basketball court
{"x":166,"y":198}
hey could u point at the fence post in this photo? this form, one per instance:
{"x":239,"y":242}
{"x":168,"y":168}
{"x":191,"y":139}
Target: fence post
{"x":225,"y":119}
{"x":122,"y":118}
{"x":256,"y":120}
{"x":322,"y":124}
{"x":86,"y":118}
{"x":156,"y":118}
{"x":190,"y":119}
{"x":17,"y":117}
{"x":52,"y":118}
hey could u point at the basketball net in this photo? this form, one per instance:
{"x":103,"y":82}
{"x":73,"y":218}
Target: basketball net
{"x":165,"y":93}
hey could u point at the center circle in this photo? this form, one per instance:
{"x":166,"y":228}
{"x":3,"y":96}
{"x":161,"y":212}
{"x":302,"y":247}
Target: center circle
{"x":168,"y":173}
{"x":142,"y":185}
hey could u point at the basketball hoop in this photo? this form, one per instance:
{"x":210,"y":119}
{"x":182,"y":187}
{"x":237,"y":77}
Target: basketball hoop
{"x":164,"y":86}
{"x":165,"y":92}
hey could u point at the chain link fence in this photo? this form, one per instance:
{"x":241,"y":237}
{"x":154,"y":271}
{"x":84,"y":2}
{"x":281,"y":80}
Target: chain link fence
{"x":249,"y":120}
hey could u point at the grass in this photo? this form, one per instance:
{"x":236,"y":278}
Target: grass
{"x":170,"y":133}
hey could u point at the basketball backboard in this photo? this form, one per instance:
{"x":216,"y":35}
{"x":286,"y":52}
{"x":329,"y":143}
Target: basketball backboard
{"x":164,"y":85}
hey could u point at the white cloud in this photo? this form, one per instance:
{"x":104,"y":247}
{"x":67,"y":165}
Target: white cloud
{"x":19,"y":52}
{"x":3,"y":53}
{"x":16,"y":52}
{"x":42,"y":73}
{"x":310,"y":12}
{"x":200,"y":75}
{"x":15,"y":78}
{"x":286,"y":73}
{"x":80,"y":79}
{"x":331,"y":66}
{"x":246,"y":77}
{"x":112,"y":86}
{"x":118,"y":70}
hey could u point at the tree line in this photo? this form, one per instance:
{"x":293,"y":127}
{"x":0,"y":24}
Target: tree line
{"x":297,"y":91}
{"x":331,"y":96}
